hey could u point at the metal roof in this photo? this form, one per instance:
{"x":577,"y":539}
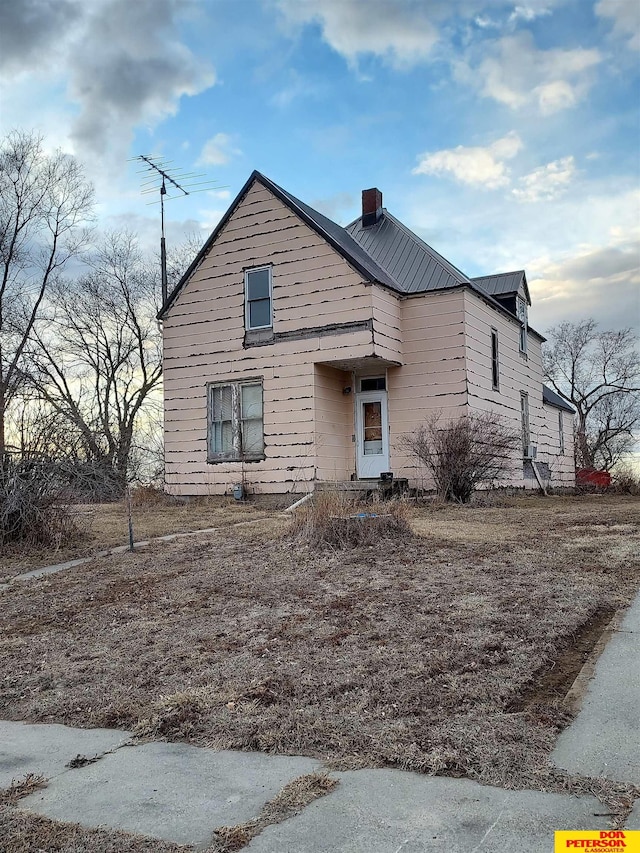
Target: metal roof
{"x":415,"y":266}
{"x":552,"y":399}
{"x":504,"y":284}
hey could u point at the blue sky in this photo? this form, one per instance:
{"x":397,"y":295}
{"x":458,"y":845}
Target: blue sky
{"x":506,"y":134}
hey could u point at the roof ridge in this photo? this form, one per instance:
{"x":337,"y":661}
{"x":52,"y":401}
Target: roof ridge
{"x":498,"y":274}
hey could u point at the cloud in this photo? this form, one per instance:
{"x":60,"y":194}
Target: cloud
{"x":625,"y":15}
{"x":399,"y":31}
{"x":218,"y":150}
{"x":123,"y":62}
{"x":514,"y":72}
{"x":30,"y":30}
{"x":530,"y":11}
{"x":575,"y":285}
{"x":475,"y":166}
{"x":546,"y":182}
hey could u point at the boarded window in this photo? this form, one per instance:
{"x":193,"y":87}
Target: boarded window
{"x":235,"y":421}
{"x":257,"y":284}
{"x":495,"y":365}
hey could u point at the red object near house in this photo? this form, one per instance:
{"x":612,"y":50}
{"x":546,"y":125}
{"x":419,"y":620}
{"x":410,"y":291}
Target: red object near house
{"x":591,"y":477}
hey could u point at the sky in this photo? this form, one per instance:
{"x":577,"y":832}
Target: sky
{"x":505,"y":134}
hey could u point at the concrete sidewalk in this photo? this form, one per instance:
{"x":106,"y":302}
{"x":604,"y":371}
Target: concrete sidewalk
{"x":183,"y":793}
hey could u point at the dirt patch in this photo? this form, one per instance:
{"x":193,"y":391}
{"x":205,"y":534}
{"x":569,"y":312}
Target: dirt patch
{"x":553,"y":681}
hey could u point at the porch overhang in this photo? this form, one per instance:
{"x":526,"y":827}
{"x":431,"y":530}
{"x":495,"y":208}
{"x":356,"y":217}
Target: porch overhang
{"x":360,"y":364}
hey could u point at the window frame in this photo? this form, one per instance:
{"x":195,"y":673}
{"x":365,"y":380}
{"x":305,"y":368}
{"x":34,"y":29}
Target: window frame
{"x":236,"y":454}
{"x":495,"y":360}
{"x":522,"y":314}
{"x":247,"y":301}
{"x":524,"y":419}
{"x":561,"y":444}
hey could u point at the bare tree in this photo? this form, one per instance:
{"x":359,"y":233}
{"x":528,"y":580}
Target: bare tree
{"x":464,"y":452}
{"x":97,"y":359}
{"x":599,"y":373}
{"x":45,"y":201}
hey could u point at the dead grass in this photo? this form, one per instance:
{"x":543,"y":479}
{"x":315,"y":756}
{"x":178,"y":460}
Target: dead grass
{"x":411,"y":653}
{"x":23,"y":832}
{"x":106,"y":526}
{"x":338,"y":520}
{"x":290,"y":801}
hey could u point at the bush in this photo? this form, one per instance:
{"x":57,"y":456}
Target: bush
{"x":30,"y":507}
{"x":338,"y":520}
{"x":625,"y":482}
{"x":460,"y":454}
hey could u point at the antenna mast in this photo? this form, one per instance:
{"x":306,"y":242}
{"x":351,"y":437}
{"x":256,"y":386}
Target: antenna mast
{"x":158,"y":178}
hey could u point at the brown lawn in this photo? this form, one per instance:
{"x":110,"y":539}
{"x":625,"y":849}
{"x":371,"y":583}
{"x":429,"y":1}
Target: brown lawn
{"x":102,"y":526}
{"x":423,"y":652}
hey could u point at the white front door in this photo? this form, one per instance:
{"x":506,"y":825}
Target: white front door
{"x":372,"y":434}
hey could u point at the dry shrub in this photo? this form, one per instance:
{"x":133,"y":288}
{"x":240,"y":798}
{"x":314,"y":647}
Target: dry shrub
{"x":31,"y":510}
{"x":465,"y":452}
{"x":626,"y":482}
{"x":143,"y":496}
{"x":336,"y":520}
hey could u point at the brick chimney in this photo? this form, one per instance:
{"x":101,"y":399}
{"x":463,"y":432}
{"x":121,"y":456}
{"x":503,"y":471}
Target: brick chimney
{"x":371,"y":206}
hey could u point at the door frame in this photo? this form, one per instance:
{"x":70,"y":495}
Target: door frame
{"x":362,"y":472}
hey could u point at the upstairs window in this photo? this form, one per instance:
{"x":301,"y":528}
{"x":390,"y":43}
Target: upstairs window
{"x":235,"y":421}
{"x":521,"y":305}
{"x":257,"y":298}
{"x":495,"y":364}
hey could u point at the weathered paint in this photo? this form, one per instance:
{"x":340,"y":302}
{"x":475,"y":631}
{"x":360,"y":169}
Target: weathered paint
{"x":330,"y":325}
{"x":204,"y":334}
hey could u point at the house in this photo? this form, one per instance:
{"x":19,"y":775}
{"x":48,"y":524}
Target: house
{"x":299,"y":352}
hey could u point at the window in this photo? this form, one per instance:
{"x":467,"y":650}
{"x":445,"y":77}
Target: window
{"x":495,"y":365}
{"x":377,"y":383}
{"x":524,"y":411}
{"x":257,"y":298}
{"x":522,"y":316}
{"x":235,"y":421}
{"x":561,"y":432}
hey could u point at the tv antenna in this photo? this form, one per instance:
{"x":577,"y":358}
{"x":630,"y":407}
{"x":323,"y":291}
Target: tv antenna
{"x":179,"y":184}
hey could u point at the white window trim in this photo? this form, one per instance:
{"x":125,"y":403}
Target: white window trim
{"x":247,"y":272}
{"x":561,"y":433}
{"x":521,"y":305}
{"x":524,"y":415}
{"x":237,"y":454}
{"x":494,"y":336}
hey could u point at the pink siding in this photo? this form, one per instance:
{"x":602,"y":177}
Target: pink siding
{"x":203,"y":338}
{"x":517,"y":373}
{"x":432,"y":377}
{"x":335,"y":460}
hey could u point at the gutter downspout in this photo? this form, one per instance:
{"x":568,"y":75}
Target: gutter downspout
{"x":299,"y":503}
